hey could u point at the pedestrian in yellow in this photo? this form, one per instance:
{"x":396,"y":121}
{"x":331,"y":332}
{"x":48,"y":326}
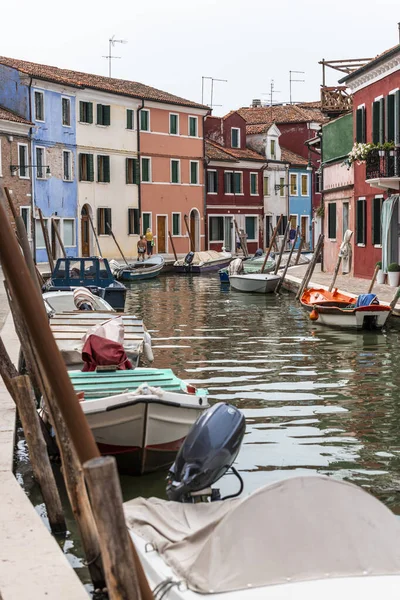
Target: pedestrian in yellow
{"x":149,"y":242}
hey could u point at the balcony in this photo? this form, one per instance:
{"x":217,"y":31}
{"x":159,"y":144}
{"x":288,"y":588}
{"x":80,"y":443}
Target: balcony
{"x":383,"y":169}
{"x":335,"y":100}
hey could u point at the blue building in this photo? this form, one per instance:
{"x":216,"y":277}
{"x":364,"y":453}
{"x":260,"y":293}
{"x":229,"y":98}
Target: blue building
{"x":24,"y":90}
{"x":300,"y":201}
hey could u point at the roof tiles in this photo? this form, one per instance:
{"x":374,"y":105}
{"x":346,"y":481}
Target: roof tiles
{"x":281,"y":113}
{"x":8,"y":115}
{"x":215,"y":151}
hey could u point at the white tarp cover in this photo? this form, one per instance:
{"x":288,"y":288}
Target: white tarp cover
{"x":206,"y":256}
{"x":299,"y":529}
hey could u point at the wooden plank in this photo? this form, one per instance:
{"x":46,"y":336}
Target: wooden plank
{"x":63,"y":335}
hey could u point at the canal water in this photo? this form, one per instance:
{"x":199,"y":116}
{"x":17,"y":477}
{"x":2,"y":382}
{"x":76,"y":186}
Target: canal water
{"x":315,"y":400}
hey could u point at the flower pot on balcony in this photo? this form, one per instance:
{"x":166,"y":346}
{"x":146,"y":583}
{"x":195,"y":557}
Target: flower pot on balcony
{"x":380,"y":278}
{"x":381,"y":153}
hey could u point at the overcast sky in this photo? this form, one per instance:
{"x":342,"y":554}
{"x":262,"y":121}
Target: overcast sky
{"x":173,"y":43}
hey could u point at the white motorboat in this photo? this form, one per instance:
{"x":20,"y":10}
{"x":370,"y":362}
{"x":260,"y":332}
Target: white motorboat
{"x":259,"y":283}
{"x":203,"y":262}
{"x":57,"y":302}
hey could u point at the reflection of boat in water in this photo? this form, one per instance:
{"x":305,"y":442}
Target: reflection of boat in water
{"x":337,"y":309}
{"x":202,"y":262}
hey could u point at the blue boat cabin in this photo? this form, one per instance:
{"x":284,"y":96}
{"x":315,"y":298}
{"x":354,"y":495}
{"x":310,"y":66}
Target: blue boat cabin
{"x":75,"y":272}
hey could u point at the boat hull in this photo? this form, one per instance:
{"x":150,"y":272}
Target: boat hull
{"x":250,"y":266}
{"x":254,"y":283}
{"x":139,"y":275}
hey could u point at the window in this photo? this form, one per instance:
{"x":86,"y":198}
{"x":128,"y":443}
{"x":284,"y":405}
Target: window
{"x":103,"y":169}
{"x":40,"y":162}
{"x":193,"y":126}
{"x":23,"y":161}
{"x":254,"y":184}
{"x":40,"y":243}
{"x":272,"y":148}
{"x":103,"y":114}
{"x":235,"y":137}
{"x":176,"y":223}
{"x":146,"y":169}
{"x":282,"y":186}
{"x":212,"y":182}
{"x":132,"y":170}
{"x":69,"y":232}
{"x":216,"y":229}
{"x":25,"y":212}
{"x":266,"y":186}
{"x":144,"y":120}
{"x":293,"y":184}
{"x":174,"y":124}
{"x":67,"y":165}
{"x":86,"y":167}
{"x":282,"y":225}
{"x":133,"y":221}
{"x":293,"y":221}
{"x":319,"y":183}
{"x":251,"y":227}
{"x":89,"y":269}
{"x":228,"y":182}
{"x":237,"y":179}
{"x":104,"y":221}
{"x":360,"y":222}
{"x":360,"y":125}
{"x":175,"y":171}
{"x":194,"y":172}
{"x":376,"y":221}
{"x":378,"y":121}
{"x":86,"y":112}
{"x":129,"y":119}
{"x":332,"y":220}
{"x":39,"y":106}
{"x":146,"y":221}
{"x":66,"y":112}
{"x":304,"y":185}
{"x":390,"y":119}
{"x":345,"y":219}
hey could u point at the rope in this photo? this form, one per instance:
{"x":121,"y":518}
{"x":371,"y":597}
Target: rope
{"x":90,"y":562}
{"x":161,"y":590}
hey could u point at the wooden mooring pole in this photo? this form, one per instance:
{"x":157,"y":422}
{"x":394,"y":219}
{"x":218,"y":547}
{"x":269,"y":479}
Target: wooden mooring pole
{"x":271,"y":243}
{"x":278,"y":262}
{"x":296,"y":262}
{"x":173,"y":245}
{"x":46,"y":241}
{"x":371,"y":285}
{"x":282,"y":279}
{"x":58,"y":236}
{"x":311,"y":266}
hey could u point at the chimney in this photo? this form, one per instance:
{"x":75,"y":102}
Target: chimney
{"x":256,"y":103}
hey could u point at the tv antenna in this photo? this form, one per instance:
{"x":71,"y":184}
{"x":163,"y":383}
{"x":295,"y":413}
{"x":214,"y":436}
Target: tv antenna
{"x":111,"y":43}
{"x":271,"y":92}
{"x":212,"y":79}
{"x":291,"y":80}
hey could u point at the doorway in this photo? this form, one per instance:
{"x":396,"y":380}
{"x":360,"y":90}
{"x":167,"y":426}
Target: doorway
{"x":85,"y":230}
{"x":304,"y":229}
{"x":161,"y":234}
{"x":194,"y":230}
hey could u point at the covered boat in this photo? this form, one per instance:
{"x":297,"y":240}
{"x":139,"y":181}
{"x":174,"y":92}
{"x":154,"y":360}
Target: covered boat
{"x":138,"y":270}
{"x":141,"y":416}
{"x":202,"y":262}
{"x":254,"y":283}
{"x":338,"y":309}
{"x":250,"y":265}
{"x":308,"y":538}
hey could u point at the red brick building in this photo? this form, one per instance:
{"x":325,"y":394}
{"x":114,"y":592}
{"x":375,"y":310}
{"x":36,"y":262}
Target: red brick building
{"x":234,"y":178}
{"x":15,"y":154}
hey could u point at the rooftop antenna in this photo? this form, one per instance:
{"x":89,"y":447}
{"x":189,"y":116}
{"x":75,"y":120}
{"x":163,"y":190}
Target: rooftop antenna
{"x":271,"y":92}
{"x":291,"y":80}
{"x":212,"y":79}
{"x":111,"y":43}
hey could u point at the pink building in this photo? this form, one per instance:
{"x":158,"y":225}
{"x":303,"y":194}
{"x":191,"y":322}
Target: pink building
{"x":172,"y":192}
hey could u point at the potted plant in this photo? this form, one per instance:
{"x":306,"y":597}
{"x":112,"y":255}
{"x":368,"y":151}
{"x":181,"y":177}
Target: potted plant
{"x":394,"y":274}
{"x":380,"y":278}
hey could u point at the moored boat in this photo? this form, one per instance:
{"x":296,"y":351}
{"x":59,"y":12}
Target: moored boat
{"x":203,"y":262}
{"x":138,"y":270}
{"x":251,"y":265}
{"x":254,"y":283}
{"x":141,"y":416}
{"x":337,"y":309}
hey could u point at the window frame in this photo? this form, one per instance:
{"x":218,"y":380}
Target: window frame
{"x":131,"y":210}
{"x":254,"y":217}
{"x":272,"y":145}
{"x":302,"y":177}
{"x":238,"y":137}
{"x":29,"y":219}
{"x":296,"y":193}
{"x":361,"y":244}
{"x":89,"y":179}
{"x":196,"y":119}
{"x":266,"y":186}
{"x":132,"y":113}
{"x":105,"y":115}
{"x":26,"y":168}
{"x":135,"y":171}
{"x":344,"y":203}
{"x":360,"y":124}
{"x":381,"y":199}
{"x":99,"y":232}
{"x":70,"y":178}
{"x":334,"y":205}
{"x":210,"y":230}
{"x":43,"y":166}
{"x":101,"y":171}
{"x":68,"y":100}
{"x":171,"y":172}
{"x":146,"y":111}
{"x":214,"y":172}
{"x":194,"y":162}
{"x":41,"y":93}
{"x":254,"y":176}
{"x":177,"y":123}
{"x":46,"y":221}
{"x":240,"y":173}
{"x":179,"y":215}
{"x":82,"y":105}
{"x":149,"y":180}
{"x":150,"y":225}
{"x":73,"y":232}
{"x":230,"y":173}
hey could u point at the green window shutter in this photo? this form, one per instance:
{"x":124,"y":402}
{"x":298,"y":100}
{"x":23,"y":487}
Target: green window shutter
{"x":375,"y":122}
{"x":360,"y":222}
{"x":99,"y":231}
{"x":99,"y":114}
{"x":237,"y":180}
{"x":193,"y":173}
{"x":332,"y":220}
{"x":80,"y":167}
{"x":106,"y":115}
{"x":127,"y":165}
{"x":382,"y":121}
{"x":81,"y":116}
{"x":136,"y":171}
{"x":397,"y":117}
{"x":174,"y":171}
{"x":136,"y":221}
{"x":99,"y":169}
{"x":359,"y":125}
{"x":106,"y":163}
{"x":146,"y":222}
{"x":90,"y":112}
{"x":175,"y":224}
{"x":90,"y":164}
{"x":129,"y":119}
{"x":235,"y":138}
{"x":145,"y":169}
{"x":144,"y":120}
{"x":173,"y":124}
{"x":390,"y":105}
{"x":376,"y":221}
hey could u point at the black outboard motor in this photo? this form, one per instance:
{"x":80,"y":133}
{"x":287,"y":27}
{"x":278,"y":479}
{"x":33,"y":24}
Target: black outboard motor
{"x":209,"y":450}
{"x":189,"y":258}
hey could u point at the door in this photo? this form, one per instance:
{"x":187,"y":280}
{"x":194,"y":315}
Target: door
{"x":85,"y":231}
{"x":228,"y":229}
{"x":161,"y":238}
{"x":55,"y":246}
{"x":304,"y":228}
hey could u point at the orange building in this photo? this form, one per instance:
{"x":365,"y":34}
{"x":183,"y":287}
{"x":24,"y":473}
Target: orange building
{"x":172,"y":192}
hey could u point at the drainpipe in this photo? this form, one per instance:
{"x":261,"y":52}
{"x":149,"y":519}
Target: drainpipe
{"x":33,"y":220}
{"x":140,"y":167}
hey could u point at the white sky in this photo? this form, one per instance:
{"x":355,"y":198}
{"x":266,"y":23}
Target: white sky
{"x":173,"y":43}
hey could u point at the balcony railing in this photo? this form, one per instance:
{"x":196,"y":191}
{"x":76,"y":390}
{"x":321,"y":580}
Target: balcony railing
{"x":335,"y":100}
{"x":383,"y":163}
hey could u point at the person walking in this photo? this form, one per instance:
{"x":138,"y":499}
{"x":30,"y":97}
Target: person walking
{"x":149,"y":242}
{"x":141,"y":248}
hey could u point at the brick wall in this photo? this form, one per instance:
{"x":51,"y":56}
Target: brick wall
{"x":21,"y":189}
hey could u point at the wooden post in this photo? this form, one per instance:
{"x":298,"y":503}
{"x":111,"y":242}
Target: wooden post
{"x":192,"y":244}
{"x":95,"y":234}
{"x":311,"y":266}
{"x":106,"y":499}
{"x":55,"y":227}
{"x":296,"y":262}
{"x":278,"y":262}
{"x":280,"y":282}
{"x":7,"y":368}
{"x":335,"y":273}
{"x":271,"y":243}
{"x":242,"y":244}
{"x":271,"y":229}
{"x":46,"y":241}
{"x":173,"y":245}
{"x":371,"y":285}
{"x":395,"y":299}
{"x":116,"y":243}
{"x":22,"y":394}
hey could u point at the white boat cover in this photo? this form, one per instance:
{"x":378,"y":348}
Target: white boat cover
{"x":303,"y":528}
{"x":205,"y":257}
